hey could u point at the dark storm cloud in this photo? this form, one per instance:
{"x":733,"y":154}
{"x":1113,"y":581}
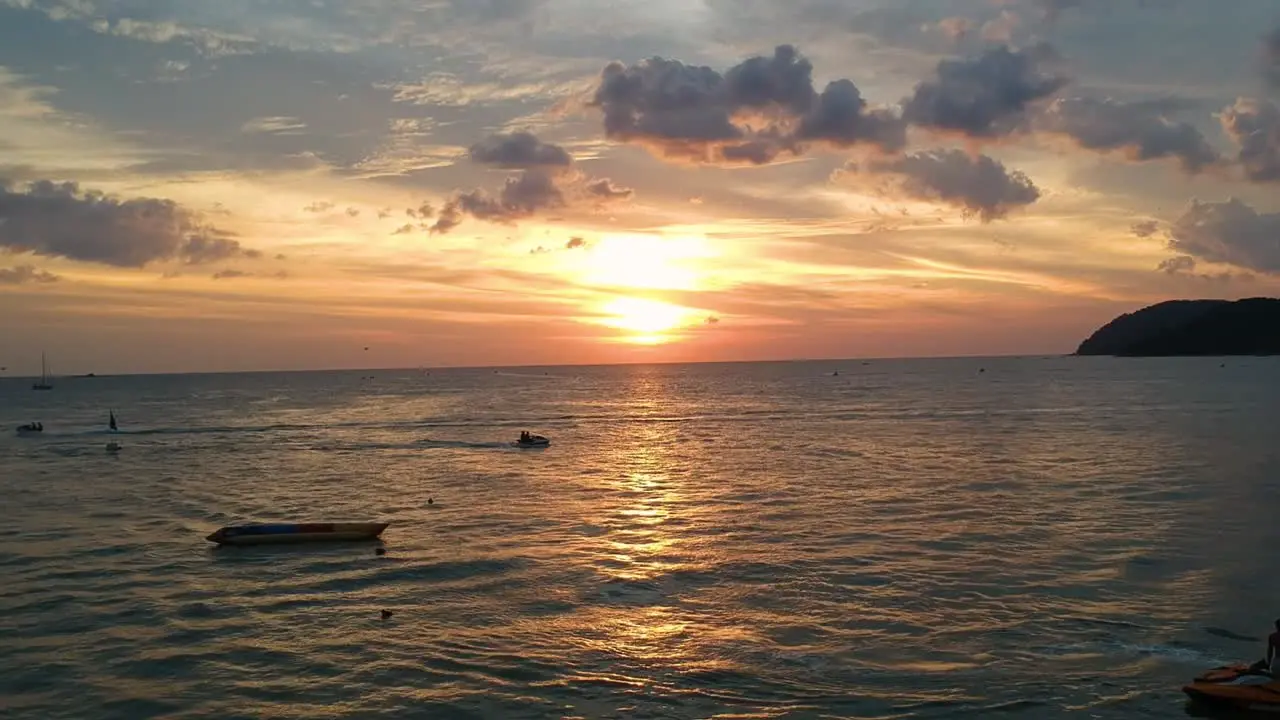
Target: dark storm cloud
{"x":1271,"y":57}
{"x":24,"y":274}
{"x":841,"y":117}
{"x":983,"y":97}
{"x":1138,"y":130}
{"x":61,"y":220}
{"x":979,"y":185}
{"x":755,"y":110}
{"x":1230,"y":232}
{"x":518,"y":151}
{"x":1254,"y":126}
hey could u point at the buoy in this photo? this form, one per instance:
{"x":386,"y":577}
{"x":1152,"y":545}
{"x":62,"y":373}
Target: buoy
{"x":431,"y":501}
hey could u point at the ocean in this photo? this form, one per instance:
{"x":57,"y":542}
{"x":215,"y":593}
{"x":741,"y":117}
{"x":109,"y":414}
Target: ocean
{"x":961,"y":538}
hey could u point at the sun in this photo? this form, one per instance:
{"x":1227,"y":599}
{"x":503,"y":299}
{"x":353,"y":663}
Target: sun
{"x":648,"y":321}
{"x":647,"y":262}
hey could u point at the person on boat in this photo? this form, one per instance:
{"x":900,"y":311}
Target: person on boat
{"x":524,"y":436}
{"x":1273,"y":649}
{"x":1271,"y":663}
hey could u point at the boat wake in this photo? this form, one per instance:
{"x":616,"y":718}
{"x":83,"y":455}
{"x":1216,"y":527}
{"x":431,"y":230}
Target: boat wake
{"x":413,"y":445}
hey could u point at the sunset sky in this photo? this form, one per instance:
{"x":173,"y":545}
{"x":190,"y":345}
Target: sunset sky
{"x":197,"y":185}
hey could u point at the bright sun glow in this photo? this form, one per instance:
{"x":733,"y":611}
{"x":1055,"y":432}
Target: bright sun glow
{"x":648,"y":320}
{"x":646,"y":261}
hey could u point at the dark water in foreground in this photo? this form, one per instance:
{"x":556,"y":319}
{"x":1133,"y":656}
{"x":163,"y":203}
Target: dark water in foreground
{"x":909,"y":539}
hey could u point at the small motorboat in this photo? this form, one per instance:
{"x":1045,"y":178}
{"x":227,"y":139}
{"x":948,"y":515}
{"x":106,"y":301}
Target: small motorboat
{"x":30,"y":428}
{"x":1236,"y":687}
{"x":530,"y":441}
{"x":279,"y":533}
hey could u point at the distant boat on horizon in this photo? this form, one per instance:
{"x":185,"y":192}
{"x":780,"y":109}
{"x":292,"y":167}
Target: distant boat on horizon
{"x":44,"y":383}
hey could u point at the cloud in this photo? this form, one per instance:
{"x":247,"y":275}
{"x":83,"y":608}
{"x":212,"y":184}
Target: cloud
{"x":1140,"y":131}
{"x":520,"y":197}
{"x":23,"y":274}
{"x":206,"y":41}
{"x":424,"y":211}
{"x":274,"y":125}
{"x":545,"y":173}
{"x":983,"y":97}
{"x":840,"y":117}
{"x":1271,"y":57}
{"x":60,"y":220}
{"x":231,"y":274}
{"x":1054,"y":8}
{"x":979,"y":185}
{"x":1254,"y":126}
{"x":1177,"y":265}
{"x":956,"y":28}
{"x":1145,"y":228}
{"x":606,"y":190}
{"x":573,"y":243}
{"x":1230,"y":232}
{"x":1184,"y":266}
{"x":756,"y":110}
{"x":518,"y":151}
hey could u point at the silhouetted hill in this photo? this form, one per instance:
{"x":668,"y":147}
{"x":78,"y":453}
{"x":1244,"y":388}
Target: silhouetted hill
{"x":1191,"y":327}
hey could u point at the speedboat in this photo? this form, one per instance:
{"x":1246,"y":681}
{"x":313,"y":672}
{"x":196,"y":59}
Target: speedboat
{"x":532,"y":441}
{"x":30,"y":429}
{"x":1236,"y":687}
{"x":279,"y":533}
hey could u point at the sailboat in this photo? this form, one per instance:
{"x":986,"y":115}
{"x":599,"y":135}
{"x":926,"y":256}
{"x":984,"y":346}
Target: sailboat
{"x":113,"y":446}
{"x":44,"y":383}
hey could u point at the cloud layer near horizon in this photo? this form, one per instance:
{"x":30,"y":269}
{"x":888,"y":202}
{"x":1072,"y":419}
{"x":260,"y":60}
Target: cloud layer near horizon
{"x":909,"y":158}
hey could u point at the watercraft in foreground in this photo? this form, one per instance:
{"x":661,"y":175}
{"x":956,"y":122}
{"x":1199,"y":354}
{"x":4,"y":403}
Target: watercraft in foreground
{"x":530,"y":440}
{"x":1236,"y":687}
{"x":30,"y":428}
{"x":279,"y":533}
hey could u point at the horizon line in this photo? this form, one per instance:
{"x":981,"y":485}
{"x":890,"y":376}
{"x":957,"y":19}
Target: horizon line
{"x":279,"y":371}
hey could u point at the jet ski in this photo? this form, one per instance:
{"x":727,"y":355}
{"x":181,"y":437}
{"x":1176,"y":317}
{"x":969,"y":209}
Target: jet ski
{"x":30,"y":428}
{"x":1236,"y":687}
{"x":531,"y":441}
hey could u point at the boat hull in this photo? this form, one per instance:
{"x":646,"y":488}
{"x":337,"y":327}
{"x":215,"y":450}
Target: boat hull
{"x":1235,"y":687}
{"x":284,"y":534}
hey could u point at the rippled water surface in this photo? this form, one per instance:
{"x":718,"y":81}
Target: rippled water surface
{"x":1045,"y":538}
